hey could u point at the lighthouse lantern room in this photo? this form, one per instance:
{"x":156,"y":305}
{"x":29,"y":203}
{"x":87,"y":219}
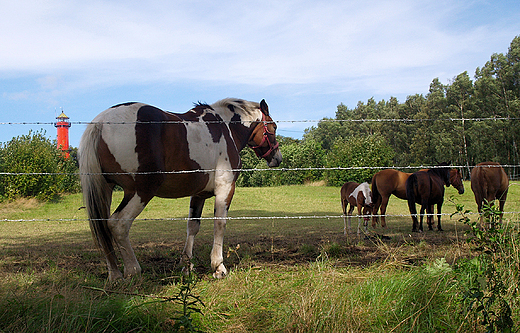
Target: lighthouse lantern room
{"x":63,"y":133}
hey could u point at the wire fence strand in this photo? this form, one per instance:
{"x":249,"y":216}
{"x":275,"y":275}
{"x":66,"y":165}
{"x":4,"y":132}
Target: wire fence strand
{"x":404,"y":120}
{"x":367,"y":120}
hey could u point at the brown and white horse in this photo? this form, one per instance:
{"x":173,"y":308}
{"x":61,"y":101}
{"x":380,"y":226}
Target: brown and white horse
{"x":489,"y":182}
{"x":150,"y":152}
{"x":356,"y":195}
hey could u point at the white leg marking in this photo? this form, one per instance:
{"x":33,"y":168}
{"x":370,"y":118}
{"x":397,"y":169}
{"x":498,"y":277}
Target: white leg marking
{"x":120,"y":223}
{"x":224,"y":188}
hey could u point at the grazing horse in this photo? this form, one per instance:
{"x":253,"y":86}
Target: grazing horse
{"x":489,"y":182}
{"x":356,"y":195}
{"x":427,"y":189}
{"x":150,"y":152}
{"x":390,"y":181}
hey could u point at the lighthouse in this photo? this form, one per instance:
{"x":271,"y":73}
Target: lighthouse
{"x":63,"y":133}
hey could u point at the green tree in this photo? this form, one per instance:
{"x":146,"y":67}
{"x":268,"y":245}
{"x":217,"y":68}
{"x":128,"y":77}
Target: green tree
{"x":371,"y":151}
{"x":34,"y":167}
{"x":305,"y":154}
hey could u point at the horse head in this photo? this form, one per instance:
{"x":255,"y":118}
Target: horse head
{"x":456,"y":180}
{"x":263,"y":139}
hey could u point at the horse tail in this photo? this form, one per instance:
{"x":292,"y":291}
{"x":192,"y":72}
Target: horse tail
{"x":97,"y":194}
{"x":375,"y":192}
{"x":411,"y":184}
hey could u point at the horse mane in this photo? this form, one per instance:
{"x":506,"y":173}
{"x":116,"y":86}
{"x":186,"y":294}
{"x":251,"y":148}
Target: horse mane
{"x":443,"y":172}
{"x":228,"y":107}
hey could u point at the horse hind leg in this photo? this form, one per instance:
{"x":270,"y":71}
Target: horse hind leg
{"x":429,"y":217}
{"x":439,"y":209}
{"x":384,"y":204}
{"x":192,"y":229}
{"x":501,"y":202}
{"x":119,"y":224}
{"x":375,"y":209}
{"x":421,"y":217}
{"x":344,"y":204}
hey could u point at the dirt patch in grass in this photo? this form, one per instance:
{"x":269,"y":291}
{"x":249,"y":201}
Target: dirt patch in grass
{"x":19,"y":205}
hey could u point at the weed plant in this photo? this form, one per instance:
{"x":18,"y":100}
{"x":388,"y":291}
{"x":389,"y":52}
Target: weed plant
{"x":490,"y":279}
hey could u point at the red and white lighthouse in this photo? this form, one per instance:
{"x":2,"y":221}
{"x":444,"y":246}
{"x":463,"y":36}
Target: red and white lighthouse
{"x":63,"y":133}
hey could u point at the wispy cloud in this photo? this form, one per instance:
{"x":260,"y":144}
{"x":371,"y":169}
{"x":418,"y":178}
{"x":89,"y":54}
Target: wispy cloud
{"x":282,"y":42}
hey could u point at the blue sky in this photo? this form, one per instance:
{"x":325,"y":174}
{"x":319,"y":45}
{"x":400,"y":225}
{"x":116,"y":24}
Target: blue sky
{"x":304,"y":57}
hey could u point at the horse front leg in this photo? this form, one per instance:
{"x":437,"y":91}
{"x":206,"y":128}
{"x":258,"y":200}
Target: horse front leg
{"x":349,"y":214}
{"x":360,"y":219}
{"x":223,"y":197}
{"x":192,"y":228}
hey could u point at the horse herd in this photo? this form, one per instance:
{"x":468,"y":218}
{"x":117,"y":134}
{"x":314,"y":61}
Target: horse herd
{"x":149,"y":152}
{"x":489,"y":182}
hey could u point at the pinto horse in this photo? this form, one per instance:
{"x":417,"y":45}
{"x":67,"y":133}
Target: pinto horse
{"x":390,"y":181}
{"x":489,"y":182}
{"x":150,"y":152}
{"x":427,"y":189}
{"x":356,"y":195}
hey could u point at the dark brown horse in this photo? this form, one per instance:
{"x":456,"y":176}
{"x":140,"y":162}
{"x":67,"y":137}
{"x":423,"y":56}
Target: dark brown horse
{"x":150,"y":152}
{"x":489,"y":182}
{"x":390,"y":181}
{"x":427,"y":189}
{"x":356,"y":195}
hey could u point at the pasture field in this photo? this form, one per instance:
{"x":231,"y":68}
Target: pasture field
{"x":289,"y":274}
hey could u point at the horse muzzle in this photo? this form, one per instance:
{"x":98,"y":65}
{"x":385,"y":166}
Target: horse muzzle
{"x":276,"y":159}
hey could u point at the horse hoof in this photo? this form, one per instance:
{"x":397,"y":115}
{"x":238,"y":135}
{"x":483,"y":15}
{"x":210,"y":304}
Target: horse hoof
{"x":188,"y":268}
{"x":221,"y":272}
{"x":114,"y":276}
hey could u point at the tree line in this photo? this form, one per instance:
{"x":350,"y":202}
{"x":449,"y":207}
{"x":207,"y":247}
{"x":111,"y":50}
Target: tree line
{"x":466,"y":121}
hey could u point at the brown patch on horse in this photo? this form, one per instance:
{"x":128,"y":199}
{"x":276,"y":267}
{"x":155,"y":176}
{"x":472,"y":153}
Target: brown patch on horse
{"x":489,"y":182}
{"x":112,"y":170}
{"x":177,"y":158}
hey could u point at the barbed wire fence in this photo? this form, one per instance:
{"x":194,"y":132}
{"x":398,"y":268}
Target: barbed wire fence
{"x":341,"y":216}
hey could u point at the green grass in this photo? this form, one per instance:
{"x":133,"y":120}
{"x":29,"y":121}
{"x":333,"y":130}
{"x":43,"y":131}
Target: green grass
{"x":295,"y":275}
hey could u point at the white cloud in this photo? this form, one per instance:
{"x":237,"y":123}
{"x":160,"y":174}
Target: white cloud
{"x":265,"y":43}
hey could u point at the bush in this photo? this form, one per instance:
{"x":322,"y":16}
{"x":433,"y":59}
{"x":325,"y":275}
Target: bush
{"x":371,"y":151}
{"x":305,"y":154}
{"x":35,"y":153}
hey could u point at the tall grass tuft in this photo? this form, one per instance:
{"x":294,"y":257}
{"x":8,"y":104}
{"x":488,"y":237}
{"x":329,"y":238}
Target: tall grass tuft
{"x":323,"y":298}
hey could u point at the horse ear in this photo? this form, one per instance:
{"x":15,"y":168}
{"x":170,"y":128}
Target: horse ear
{"x":264,"y":108}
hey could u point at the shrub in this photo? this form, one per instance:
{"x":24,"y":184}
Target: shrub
{"x":371,"y":151}
{"x":32,"y":166}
